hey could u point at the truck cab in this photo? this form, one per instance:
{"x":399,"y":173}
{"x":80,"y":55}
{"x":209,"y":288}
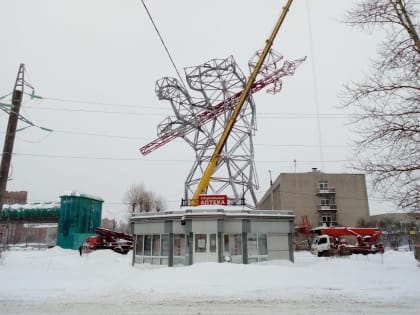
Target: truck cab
{"x":321,"y":245}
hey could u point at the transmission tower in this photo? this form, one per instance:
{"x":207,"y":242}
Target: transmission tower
{"x":200,"y":116}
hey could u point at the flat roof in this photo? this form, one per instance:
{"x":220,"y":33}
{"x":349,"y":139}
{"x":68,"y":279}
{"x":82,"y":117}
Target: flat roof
{"x":214,"y":212}
{"x":82,"y":195}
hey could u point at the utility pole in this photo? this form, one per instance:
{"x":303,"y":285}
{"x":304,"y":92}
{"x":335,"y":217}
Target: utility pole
{"x":272,"y":192}
{"x":11,"y":132}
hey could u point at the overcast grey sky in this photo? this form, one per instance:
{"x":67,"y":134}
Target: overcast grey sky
{"x":96,"y":62}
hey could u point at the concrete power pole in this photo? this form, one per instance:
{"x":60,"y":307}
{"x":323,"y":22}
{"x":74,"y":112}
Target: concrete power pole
{"x":11,"y":132}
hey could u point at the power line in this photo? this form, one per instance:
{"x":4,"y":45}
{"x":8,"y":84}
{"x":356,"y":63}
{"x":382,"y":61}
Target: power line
{"x":299,"y":145}
{"x":92,"y":134}
{"x":81,"y":157}
{"x":265,"y":115}
{"x":304,"y":162}
{"x":65,"y":100}
{"x":298,"y":116}
{"x":113,"y":136}
{"x":163,"y":43}
{"x":93,"y":111}
{"x":315,"y":85}
{"x":262,"y":115}
{"x":100,"y":135}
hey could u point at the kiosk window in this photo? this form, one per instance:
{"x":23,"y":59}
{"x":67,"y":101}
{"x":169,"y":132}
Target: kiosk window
{"x":200,"y":243}
{"x":212,"y":243}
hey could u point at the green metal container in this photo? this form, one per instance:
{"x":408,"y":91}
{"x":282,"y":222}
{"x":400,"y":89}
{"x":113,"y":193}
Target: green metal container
{"x":80,"y":215}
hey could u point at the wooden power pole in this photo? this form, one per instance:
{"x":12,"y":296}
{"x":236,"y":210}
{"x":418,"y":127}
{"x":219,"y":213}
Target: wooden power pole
{"x":11,"y":132}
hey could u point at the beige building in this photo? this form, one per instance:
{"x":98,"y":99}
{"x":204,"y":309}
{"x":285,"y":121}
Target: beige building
{"x":324,"y":199}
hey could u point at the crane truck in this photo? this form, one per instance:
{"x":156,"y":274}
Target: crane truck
{"x":107,"y":239}
{"x":330,"y":241}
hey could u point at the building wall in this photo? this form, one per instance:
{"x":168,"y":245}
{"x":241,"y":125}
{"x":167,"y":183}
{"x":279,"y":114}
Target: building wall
{"x":300,"y":192}
{"x":19,"y":197}
{"x":278,"y":246}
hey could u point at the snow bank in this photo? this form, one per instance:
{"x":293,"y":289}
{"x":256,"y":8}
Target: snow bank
{"x":62,"y":274}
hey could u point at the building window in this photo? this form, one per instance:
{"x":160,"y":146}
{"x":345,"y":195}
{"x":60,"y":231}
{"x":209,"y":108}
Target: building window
{"x":236,"y":244}
{"x":156,"y":245}
{"x":257,"y":244}
{"x":212,"y":243}
{"x":165,"y":245}
{"x":179,"y":245}
{"x":226,"y":250}
{"x":325,"y":202}
{"x":326,"y":218}
{"x":323,"y":185}
{"x":252,"y":244}
{"x":139,"y":245}
{"x":232,"y":244}
{"x":147,"y":245}
{"x":262,"y":244}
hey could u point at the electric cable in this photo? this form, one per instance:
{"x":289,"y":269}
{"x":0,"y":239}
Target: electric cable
{"x":80,"y":157}
{"x":264,"y":115}
{"x":93,"y":111}
{"x":314,"y":79}
{"x":93,"y":134}
{"x":164,"y":45}
{"x":64,"y":100}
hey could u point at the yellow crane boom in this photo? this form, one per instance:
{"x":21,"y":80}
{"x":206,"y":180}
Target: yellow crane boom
{"x":216,"y":156}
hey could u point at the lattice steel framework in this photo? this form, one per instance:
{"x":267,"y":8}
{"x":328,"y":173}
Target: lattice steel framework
{"x":201,"y":119}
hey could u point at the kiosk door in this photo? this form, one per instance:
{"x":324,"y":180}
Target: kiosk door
{"x":205,"y":248}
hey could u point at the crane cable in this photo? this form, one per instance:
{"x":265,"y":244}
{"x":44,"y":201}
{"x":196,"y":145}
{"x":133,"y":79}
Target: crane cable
{"x":163,"y":43}
{"x":315,"y":85}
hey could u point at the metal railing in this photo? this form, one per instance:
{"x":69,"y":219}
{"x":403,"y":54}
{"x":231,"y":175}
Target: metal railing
{"x":332,"y":207}
{"x":327,"y":190}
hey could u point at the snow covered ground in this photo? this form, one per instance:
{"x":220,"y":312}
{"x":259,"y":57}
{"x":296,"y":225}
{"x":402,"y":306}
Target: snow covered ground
{"x":58,"y":281}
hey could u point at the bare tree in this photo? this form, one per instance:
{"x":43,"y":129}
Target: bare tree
{"x":141,"y":200}
{"x":387,"y":102}
{"x":109,"y":224}
{"x":160,"y":203}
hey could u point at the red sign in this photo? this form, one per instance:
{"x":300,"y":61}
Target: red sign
{"x":205,"y":200}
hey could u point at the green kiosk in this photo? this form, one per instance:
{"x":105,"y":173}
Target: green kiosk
{"x":80,"y":215}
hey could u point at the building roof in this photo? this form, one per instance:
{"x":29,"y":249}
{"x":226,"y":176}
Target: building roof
{"x":33,"y":205}
{"x":81,"y":195}
{"x":211,"y":212}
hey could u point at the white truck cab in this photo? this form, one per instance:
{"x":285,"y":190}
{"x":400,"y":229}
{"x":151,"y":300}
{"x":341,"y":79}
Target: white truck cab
{"x":321,"y":245}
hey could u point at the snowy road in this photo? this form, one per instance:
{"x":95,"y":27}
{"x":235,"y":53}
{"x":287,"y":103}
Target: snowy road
{"x":212,"y":306}
{"x":58,"y":281}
